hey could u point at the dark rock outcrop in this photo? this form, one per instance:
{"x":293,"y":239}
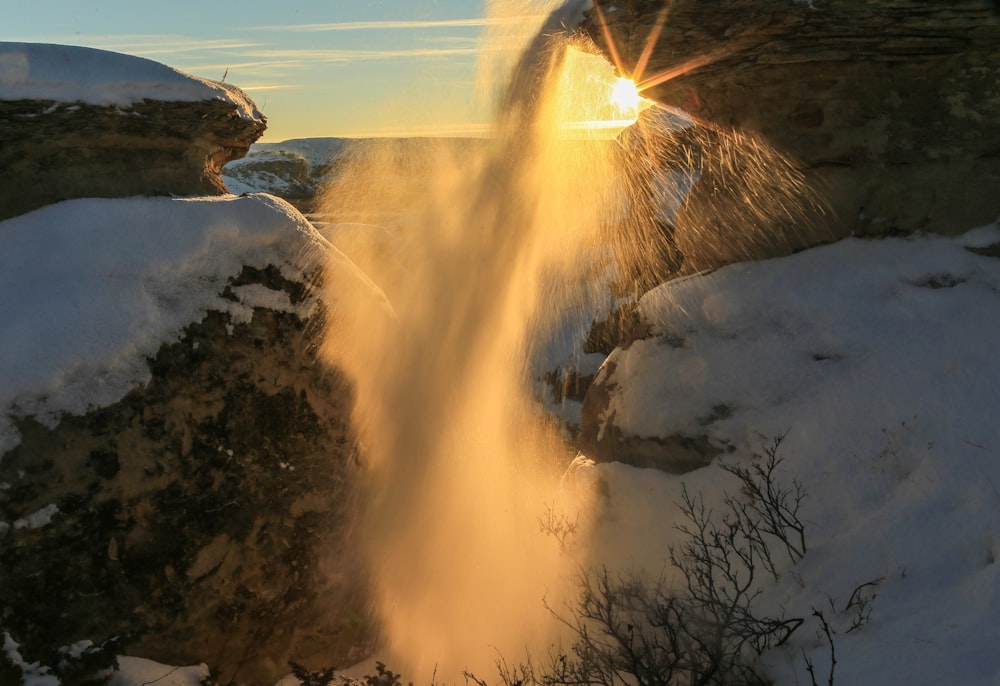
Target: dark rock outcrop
{"x":890,"y":104}
{"x":203,"y":516}
{"x":57,"y":151}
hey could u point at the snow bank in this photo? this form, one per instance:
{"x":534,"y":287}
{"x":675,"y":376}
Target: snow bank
{"x":73,"y":74}
{"x":316,"y":151}
{"x":878,"y":361}
{"x":879,"y":330}
{"x":136,"y":671}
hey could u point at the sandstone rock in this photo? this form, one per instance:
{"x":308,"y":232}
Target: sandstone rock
{"x":103,"y":136}
{"x":890,"y":104}
{"x":204,"y":515}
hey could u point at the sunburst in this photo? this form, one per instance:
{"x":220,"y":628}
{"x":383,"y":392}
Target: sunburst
{"x":636,"y":74}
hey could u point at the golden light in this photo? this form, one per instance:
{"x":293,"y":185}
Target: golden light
{"x":625,"y":95}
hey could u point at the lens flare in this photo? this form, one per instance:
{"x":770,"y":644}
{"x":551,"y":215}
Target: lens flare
{"x":589,"y":98}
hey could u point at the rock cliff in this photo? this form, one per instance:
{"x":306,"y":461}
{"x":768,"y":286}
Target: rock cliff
{"x":191,"y":487}
{"x":879,"y":114}
{"x":890,"y":105}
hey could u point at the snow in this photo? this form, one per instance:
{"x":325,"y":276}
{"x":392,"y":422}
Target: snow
{"x":33,"y":673}
{"x":72,"y":74}
{"x":94,"y":286}
{"x":135,"y":671}
{"x":316,"y":151}
{"x":38,"y":518}
{"x":891,"y":315}
{"x":255,"y":173}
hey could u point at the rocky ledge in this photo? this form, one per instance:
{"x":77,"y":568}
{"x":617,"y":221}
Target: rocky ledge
{"x":78,"y":123}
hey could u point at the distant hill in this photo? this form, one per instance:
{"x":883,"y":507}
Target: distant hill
{"x":291,"y":169}
{"x":295,"y":169}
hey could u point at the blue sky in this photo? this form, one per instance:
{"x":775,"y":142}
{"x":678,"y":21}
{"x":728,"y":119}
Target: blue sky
{"x":315,"y":67}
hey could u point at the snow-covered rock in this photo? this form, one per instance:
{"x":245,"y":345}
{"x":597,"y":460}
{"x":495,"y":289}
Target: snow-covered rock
{"x":176,"y":461}
{"x":762,"y":346}
{"x":292,"y":169}
{"x":875,"y":360}
{"x":79,"y":122}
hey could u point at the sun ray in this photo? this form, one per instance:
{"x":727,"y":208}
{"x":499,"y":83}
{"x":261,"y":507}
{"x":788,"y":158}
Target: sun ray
{"x":637,"y":72}
{"x":681,"y":69}
{"x":651,"y":40}
{"x":609,"y":40}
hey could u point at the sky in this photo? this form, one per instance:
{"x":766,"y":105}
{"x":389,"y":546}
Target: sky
{"x":314,"y":67}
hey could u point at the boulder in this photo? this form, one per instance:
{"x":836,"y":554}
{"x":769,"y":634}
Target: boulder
{"x":176,"y":461}
{"x":602,"y":439}
{"x":77,"y":122}
{"x":889,"y":105}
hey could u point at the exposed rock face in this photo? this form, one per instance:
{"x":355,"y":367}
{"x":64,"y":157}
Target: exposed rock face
{"x":203,"y":515}
{"x":890,"y":104}
{"x":885,"y":108}
{"x":51,"y":152}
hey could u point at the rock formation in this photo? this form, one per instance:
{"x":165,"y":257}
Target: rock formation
{"x":51,"y":152}
{"x":203,"y":516}
{"x":109,"y":139}
{"x":294,"y":169}
{"x":602,"y":440}
{"x":890,"y":105}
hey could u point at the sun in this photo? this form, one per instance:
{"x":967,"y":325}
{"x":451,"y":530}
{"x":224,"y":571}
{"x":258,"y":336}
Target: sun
{"x":625,"y":95}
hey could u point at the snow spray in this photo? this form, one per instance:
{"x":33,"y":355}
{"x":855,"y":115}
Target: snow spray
{"x":475,"y":238}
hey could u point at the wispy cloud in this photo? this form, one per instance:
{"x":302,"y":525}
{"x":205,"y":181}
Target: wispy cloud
{"x":469,"y":41}
{"x":154,"y":44}
{"x":271,"y":87}
{"x":412,"y":24}
{"x":469,"y":129}
{"x":347,"y":55}
{"x":256,"y":65}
